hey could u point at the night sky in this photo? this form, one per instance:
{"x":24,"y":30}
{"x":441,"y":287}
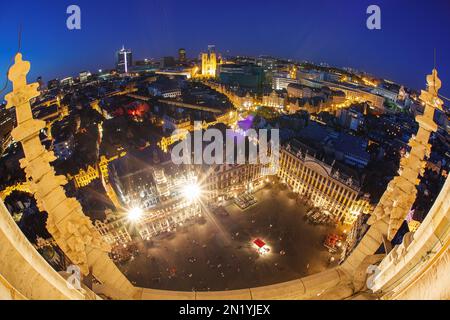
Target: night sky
{"x":329,"y":31}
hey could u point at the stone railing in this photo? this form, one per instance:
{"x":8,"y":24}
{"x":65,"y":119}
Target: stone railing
{"x":23,"y":271}
{"x":421,"y":255}
{"x":316,"y":286}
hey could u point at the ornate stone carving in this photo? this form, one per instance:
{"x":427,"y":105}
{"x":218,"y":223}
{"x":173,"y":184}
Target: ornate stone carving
{"x":68,"y":225}
{"x":400,"y":250}
{"x":401,"y":192}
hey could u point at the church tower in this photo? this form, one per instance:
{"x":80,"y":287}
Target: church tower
{"x":209,"y":62}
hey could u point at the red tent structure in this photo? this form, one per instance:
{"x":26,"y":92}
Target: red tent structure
{"x":259,"y":243}
{"x":331,"y":240}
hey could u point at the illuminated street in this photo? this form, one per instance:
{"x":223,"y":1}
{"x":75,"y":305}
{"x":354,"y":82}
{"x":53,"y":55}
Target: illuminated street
{"x":199,"y":256}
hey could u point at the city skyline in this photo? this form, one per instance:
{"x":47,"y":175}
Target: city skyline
{"x":336,"y":35}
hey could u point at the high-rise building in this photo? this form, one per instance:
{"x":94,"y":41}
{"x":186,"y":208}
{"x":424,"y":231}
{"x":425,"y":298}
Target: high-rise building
{"x":282,"y":82}
{"x":182,"y":55}
{"x":124,"y":60}
{"x":209,"y":62}
{"x":167,"y":62}
{"x":84,"y":76}
{"x":244,"y":75}
{"x":68,"y":81}
{"x":53,"y":84}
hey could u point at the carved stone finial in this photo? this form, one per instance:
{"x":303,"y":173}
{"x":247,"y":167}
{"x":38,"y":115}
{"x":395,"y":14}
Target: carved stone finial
{"x":433,"y":82}
{"x":401,"y":192}
{"x":19,"y":70}
{"x":22,"y":92}
{"x":430,"y":96}
{"x":71,"y":229}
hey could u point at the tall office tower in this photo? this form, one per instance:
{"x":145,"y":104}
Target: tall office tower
{"x":182,"y":55}
{"x":209,"y":62}
{"x":41,"y":83}
{"x":167,"y":62}
{"x":53,"y":84}
{"x":124,"y":60}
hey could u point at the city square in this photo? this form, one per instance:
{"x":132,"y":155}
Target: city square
{"x":217,"y":252}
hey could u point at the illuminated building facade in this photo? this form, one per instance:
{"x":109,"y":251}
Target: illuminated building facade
{"x":245,"y":102}
{"x":219,"y":184}
{"x":296,"y":90}
{"x":84,"y":76}
{"x":226,"y":181}
{"x":6,"y":125}
{"x":161,"y":183}
{"x":124,"y":60}
{"x":170,"y":124}
{"x":273,"y":100}
{"x":209,"y":63}
{"x":85,"y":177}
{"x":322,"y":184}
{"x":167,"y":218}
{"x":388,"y":94}
{"x":20,"y":186}
{"x":282,"y":82}
{"x":66,"y":81}
{"x":113,"y":230}
{"x":161,"y":197}
{"x":358,"y":95}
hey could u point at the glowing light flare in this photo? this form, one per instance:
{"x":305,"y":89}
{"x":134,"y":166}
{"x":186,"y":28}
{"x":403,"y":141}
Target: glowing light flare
{"x":191,"y":191}
{"x":261,"y":247}
{"x":134,"y":214}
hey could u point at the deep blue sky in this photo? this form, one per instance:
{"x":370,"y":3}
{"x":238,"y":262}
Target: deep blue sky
{"x":332,"y":31}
